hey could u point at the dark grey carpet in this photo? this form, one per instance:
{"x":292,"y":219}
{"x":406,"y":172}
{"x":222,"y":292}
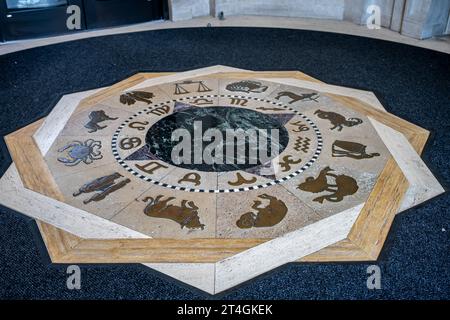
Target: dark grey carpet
{"x":413,"y":83}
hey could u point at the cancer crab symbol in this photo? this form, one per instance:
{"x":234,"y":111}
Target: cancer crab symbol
{"x":78,"y":151}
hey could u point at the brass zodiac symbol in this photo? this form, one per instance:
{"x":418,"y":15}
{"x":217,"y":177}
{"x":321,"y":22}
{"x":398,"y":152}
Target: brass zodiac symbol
{"x":352,"y":150}
{"x":105,"y":185}
{"x":130,"y":143}
{"x":179,"y":89}
{"x":300,"y":126}
{"x":246,"y":86}
{"x":186,"y":214}
{"x":95,"y":117}
{"x":202,"y":101}
{"x":239,"y":101}
{"x":159,"y":111}
{"x":267,"y":216}
{"x":130,"y":98}
{"x":287,"y":161}
{"x":191,"y":177}
{"x":337,"y":120}
{"x":78,"y":151}
{"x":295,"y":97}
{"x":343,"y":186}
{"x":138,"y":125}
{"x":302,"y":144}
{"x":241,"y":180}
{"x":153,"y":167}
{"x":269,"y":109}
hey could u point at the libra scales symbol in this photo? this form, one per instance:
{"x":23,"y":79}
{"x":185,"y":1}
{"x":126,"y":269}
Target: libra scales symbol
{"x":179,"y":89}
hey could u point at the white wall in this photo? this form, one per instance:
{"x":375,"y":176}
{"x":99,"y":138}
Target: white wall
{"x":436,"y":22}
{"x":188,"y":9}
{"x":356,"y":11}
{"x":425,"y":18}
{"x":397,"y":15}
{"x":325,"y":9}
{"x":415,"y":18}
{"x":447,"y":30}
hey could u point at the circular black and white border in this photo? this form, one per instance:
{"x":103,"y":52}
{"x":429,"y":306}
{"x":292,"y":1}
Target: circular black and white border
{"x":173,"y":187}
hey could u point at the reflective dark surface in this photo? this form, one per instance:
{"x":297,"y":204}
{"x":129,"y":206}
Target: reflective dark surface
{"x":160,"y":143}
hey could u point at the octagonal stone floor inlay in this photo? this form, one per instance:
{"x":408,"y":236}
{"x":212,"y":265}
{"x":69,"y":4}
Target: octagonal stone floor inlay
{"x":223,"y":173}
{"x":119,"y":160}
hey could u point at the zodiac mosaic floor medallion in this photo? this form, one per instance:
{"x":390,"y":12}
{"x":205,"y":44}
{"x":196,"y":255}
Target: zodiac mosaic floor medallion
{"x":214,"y":176}
{"x":147,"y":136}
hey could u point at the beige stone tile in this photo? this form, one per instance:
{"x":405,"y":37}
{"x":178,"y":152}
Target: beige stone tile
{"x":57,"y":119}
{"x":191,"y":179}
{"x":174,"y":214}
{"x":131,"y":136}
{"x":247,"y":87}
{"x":348,"y":187}
{"x":191,"y":87}
{"x":349,"y":143}
{"x":87,"y":153}
{"x":280,"y":212}
{"x":296,"y":97}
{"x":63,"y":216}
{"x":240,"y":179}
{"x":152,"y":170}
{"x":134,"y":100}
{"x":350,"y":140}
{"x":254,"y":103}
{"x":332,"y":116}
{"x":288,"y":248}
{"x":362,"y":150}
{"x":130,"y":188}
{"x":208,"y":99}
{"x":303,"y":148}
{"x":98,"y":120}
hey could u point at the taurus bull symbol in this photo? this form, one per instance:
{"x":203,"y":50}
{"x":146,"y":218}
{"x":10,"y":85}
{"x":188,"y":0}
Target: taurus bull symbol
{"x":186,"y":214}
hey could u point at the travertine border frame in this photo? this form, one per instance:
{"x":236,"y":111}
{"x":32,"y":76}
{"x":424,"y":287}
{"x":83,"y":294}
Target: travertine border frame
{"x":362,"y":242}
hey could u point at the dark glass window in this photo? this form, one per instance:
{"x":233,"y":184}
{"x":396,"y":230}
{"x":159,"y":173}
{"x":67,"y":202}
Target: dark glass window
{"x":32,"y":4}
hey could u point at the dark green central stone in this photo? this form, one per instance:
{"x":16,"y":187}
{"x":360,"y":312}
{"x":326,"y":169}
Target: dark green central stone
{"x":160,"y":144}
